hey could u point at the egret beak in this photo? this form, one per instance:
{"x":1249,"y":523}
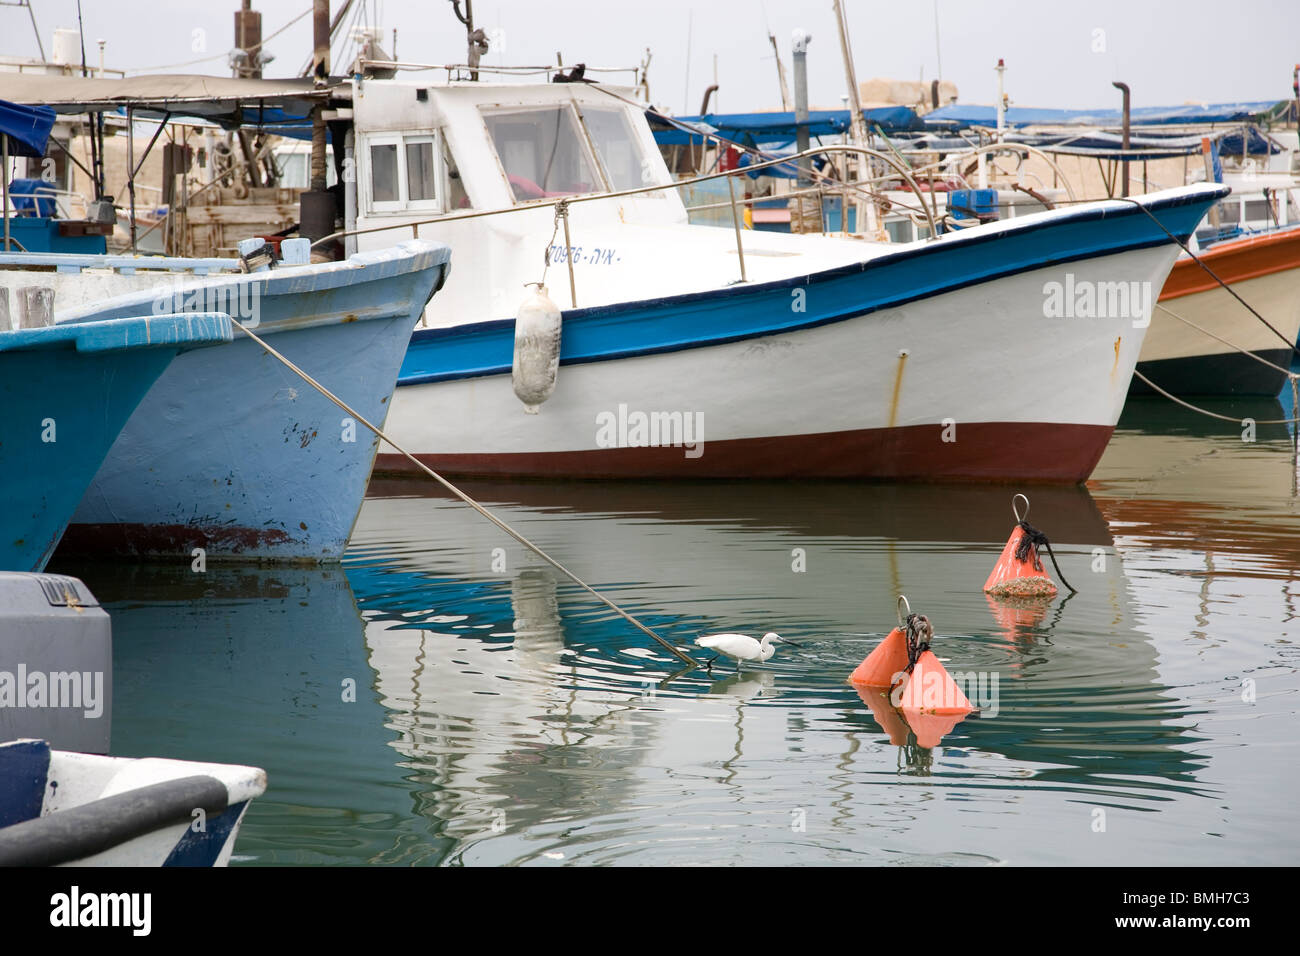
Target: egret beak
{"x":786,"y":640}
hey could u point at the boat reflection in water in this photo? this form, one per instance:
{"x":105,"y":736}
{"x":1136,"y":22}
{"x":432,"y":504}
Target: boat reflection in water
{"x":539,"y":727}
{"x":470,"y":705}
{"x":262,"y":666}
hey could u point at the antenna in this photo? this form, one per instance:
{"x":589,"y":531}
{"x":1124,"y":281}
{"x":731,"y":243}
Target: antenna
{"x":937,"y":55}
{"x":686,"y":93}
{"x":35,"y":29}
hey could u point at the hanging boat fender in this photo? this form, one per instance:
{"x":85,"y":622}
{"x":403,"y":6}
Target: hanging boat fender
{"x":537,"y":349}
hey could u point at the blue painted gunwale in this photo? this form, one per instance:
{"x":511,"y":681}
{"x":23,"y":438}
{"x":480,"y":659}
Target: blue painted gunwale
{"x":87,"y":380}
{"x":735,"y":313}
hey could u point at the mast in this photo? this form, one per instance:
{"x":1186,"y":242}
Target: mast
{"x":857,"y":126}
{"x":780,"y":73}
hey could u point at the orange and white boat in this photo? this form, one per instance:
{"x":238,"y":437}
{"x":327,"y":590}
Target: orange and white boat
{"x":1200,"y":335}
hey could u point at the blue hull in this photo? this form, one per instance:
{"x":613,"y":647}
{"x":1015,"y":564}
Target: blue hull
{"x":66,"y":394}
{"x":233,"y":453}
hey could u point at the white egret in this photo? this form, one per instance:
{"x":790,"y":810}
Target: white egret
{"x":742,"y":647}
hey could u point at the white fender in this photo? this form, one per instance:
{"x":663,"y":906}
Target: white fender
{"x":537,"y":349}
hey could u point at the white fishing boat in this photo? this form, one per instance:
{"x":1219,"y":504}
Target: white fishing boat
{"x":61,"y":808}
{"x":700,"y":352}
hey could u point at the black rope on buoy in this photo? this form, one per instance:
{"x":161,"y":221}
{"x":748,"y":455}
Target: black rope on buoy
{"x":917,"y":626}
{"x":1031,"y":539}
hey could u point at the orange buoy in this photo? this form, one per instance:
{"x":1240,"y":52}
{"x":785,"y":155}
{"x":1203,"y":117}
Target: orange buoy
{"x":882,"y":666}
{"x":929,"y":689}
{"x":1019,"y":571}
{"x":921,"y":697}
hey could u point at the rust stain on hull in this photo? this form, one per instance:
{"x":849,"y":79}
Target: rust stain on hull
{"x":898,"y":387}
{"x":169,"y":540}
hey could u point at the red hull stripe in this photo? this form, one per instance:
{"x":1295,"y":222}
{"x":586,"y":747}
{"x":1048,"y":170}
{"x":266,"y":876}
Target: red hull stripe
{"x":985,"y":451}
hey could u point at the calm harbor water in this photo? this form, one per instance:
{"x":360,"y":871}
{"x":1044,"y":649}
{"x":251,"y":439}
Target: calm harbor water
{"x":502,"y":716}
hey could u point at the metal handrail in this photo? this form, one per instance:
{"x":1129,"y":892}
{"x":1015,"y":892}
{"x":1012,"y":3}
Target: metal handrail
{"x":793,"y":158}
{"x":1011,"y":147}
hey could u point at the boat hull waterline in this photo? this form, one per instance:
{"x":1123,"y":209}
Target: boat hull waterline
{"x":938,"y":361}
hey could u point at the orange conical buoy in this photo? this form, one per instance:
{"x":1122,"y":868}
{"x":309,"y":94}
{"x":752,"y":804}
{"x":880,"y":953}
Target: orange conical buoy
{"x":921,"y":696}
{"x":1013,"y":577}
{"x":929,"y":689}
{"x":881,"y":667}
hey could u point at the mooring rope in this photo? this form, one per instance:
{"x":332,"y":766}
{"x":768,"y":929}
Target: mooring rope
{"x":464,"y":497}
{"x":1031,"y":539}
{"x":1210,"y":414}
{"x":917,"y":625}
{"x":1222,"y":340}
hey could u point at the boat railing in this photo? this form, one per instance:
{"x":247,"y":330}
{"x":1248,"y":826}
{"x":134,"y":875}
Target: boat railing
{"x":976,"y":152}
{"x":562,"y":203}
{"x":466,"y":68}
{"x":75,"y":263}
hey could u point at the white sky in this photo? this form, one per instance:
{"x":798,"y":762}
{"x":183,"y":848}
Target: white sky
{"x":1168,"y":52}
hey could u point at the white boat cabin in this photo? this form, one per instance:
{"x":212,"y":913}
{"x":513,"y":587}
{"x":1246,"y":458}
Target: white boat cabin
{"x":492,"y":159}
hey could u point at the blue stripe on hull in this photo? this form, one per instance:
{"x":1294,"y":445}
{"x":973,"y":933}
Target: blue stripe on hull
{"x":203,"y":847}
{"x":698,"y":320}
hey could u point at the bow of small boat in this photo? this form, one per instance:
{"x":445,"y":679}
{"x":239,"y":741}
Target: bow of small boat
{"x":58,"y":807}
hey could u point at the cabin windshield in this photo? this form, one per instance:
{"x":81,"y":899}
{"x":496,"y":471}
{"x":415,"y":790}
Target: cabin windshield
{"x":618,"y":148}
{"x":542,"y":152}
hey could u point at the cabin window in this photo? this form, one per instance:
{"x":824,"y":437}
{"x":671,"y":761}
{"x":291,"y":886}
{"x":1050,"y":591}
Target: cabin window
{"x":619,"y":150}
{"x":383,"y":173}
{"x":293,"y":163}
{"x":1258,"y":211}
{"x":419,"y":171}
{"x":403,"y":173}
{"x":542,"y":152}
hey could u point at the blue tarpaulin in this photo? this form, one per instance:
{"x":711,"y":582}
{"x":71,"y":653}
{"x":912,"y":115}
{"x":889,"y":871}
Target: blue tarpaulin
{"x":961,"y":115}
{"x":753,"y":129}
{"x":1104,"y":145}
{"x":28,"y":128}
